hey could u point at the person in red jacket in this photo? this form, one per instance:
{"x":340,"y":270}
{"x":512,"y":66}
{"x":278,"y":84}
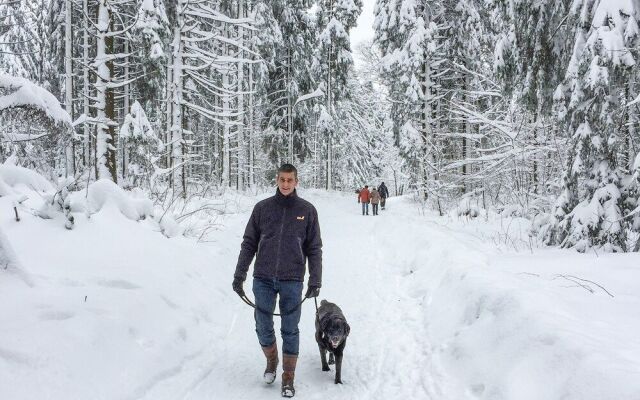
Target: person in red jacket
{"x":364,"y":198}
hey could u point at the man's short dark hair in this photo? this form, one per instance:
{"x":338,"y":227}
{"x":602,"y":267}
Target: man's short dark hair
{"x":288,"y":168}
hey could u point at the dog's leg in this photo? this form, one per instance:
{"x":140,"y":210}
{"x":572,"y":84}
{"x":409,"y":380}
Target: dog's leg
{"x":331,"y":360}
{"x":338,"y":367}
{"x":323,"y":358}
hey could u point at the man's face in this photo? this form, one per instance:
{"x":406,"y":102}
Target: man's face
{"x":287,"y":182}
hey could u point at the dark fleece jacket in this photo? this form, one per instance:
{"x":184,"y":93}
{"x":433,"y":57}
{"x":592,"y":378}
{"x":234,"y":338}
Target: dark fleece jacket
{"x":283,"y":232}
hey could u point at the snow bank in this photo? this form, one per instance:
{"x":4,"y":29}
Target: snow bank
{"x":15,"y":176}
{"x":537,"y":324}
{"x":105,"y":192}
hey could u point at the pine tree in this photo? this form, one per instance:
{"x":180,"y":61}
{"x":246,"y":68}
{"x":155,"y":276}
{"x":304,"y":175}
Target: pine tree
{"x":589,"y":211}
{"x":331,"y":65}
{"x":406,"y":33}
{"x":141,"y":147}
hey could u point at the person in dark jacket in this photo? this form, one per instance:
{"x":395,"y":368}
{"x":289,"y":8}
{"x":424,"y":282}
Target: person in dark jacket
{"x":284,"y":234}
{"x":384,"y":193}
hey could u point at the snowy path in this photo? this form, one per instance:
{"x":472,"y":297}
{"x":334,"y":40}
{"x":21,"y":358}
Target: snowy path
{"x":388,"y":354}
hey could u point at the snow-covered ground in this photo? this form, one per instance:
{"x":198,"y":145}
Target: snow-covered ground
{"x":438,"y":310}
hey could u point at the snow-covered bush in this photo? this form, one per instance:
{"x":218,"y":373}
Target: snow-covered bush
{"x":12,"y":176}
{"x":512,"y":210}
{"x":140,"y":147}
{"x":59,"y":202}
{"x":33,"y":126}
{"x":468,"y":207}
{"x":104,"y":192}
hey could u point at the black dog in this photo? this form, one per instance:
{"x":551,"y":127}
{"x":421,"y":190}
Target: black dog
{"x":332,"y":330}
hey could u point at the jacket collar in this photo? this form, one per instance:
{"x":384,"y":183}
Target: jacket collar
{"x":286,"y":201}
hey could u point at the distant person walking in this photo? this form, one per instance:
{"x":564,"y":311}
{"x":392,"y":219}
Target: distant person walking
{"x":375,"y":200}
{"x":384,"y":193}
{"x":363,"y":197}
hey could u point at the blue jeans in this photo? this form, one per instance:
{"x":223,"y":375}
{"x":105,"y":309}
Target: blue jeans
{"x":365,"y":208}
{"x":265,"y":292}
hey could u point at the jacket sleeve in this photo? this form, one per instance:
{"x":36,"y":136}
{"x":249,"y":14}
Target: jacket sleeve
{"x":313,"y":250}
{"x":249,"y":245}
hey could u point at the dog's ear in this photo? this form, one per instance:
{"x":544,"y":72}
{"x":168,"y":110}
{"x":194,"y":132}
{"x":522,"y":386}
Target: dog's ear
{"x":324,"y":323}
{"x":347,"y":328}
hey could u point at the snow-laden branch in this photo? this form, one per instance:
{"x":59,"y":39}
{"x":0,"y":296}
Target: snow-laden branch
{"x":23,"y":93}
{"x":316,"y":93}
{"x":209,"y":13}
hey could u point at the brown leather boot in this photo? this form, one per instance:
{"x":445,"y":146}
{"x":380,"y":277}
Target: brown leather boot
{"x":289,"y":370}
{"x":271,"y":353}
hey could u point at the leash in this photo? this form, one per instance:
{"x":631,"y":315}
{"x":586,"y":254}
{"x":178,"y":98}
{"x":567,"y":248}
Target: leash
{"x":281,"y":314}
{"x":315,"y":299}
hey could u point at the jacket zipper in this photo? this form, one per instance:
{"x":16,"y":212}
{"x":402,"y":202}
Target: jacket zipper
{"x":284,"y":212}
{"x":300,"y":248}
{"x":259,"y":245}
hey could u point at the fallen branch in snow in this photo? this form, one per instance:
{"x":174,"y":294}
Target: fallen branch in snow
{"x":579,"y":282}
{"x":529,"y":273}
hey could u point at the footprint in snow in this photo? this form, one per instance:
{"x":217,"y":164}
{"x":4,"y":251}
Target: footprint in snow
{"x":55,"y":315}
{"x":118,"y":284}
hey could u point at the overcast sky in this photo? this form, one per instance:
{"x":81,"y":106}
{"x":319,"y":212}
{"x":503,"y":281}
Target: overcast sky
{"x":364,"y":29}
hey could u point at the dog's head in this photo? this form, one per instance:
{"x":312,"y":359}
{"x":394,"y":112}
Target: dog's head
{"x":335,"y":330}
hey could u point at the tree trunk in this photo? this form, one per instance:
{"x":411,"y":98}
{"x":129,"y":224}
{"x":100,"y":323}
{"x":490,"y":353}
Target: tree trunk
{"x":241,"y":112}
{"x":105,"y":110}
{"x":466,"y":128}
{"x":226,"y":133}
{"x":251,"y":128}
{"x":70,"y":167}
{"x":125,"y":104}
{"x":424,"y":151}
{"x":330,"y":132}
{"x":87,"y":145}
{"x":168,"y":108}
{"x":176,"y":126}
{"x":289,"y":106}
{"x":535,"y":158}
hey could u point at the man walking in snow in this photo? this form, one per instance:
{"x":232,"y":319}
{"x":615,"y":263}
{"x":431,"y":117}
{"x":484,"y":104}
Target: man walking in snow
{"x":384,"y":193}
{"x":363,"y":197}
{"x":283,"y":233}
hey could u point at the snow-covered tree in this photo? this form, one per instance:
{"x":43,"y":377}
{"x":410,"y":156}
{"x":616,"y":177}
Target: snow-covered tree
{"x":406,"y":33}
{"x":332,"y":63}
{"x":140,"y":147}
{"x":285,"y":39}
{"x":591,"y":208}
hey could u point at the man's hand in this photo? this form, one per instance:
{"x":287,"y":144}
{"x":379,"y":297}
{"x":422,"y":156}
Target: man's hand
{"x":312,"y":291}
{"x":237,"y":286}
